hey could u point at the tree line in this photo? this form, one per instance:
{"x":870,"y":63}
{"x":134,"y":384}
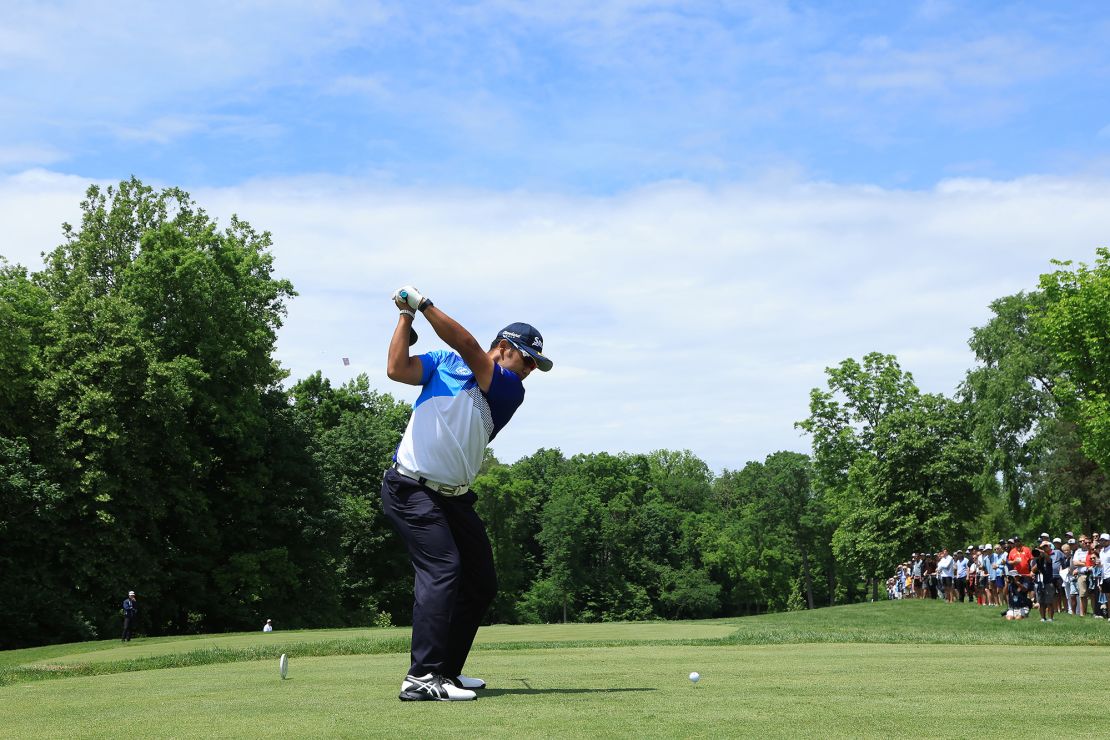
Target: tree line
{"x":149,"y":440}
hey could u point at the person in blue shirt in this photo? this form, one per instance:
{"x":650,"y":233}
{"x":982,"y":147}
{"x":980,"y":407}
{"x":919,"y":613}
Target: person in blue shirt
{"x":998,"y":573}
{"x":130,"y":613}
{"x":467,"y":396}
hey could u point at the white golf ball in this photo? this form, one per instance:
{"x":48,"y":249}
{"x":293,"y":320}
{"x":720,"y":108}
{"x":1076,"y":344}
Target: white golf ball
{"x":695,"y":676}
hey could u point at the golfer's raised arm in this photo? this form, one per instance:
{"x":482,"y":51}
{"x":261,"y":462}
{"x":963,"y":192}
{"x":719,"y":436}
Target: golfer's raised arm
{"x":399,"y":365}
{"x":463,"y":342}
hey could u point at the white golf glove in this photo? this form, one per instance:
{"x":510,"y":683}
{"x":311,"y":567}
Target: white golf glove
{"x":410,"y":296}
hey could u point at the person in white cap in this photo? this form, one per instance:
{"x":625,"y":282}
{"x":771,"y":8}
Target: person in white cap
{"x":130,"y":613}
{"x":269,"y":626}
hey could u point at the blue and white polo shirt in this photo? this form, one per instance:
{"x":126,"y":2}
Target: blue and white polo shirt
{"x":453,"y":421}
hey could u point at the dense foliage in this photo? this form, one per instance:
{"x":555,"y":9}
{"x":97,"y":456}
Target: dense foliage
{"x":149,"y":440}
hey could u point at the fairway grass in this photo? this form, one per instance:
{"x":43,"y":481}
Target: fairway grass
{"x":768,"y":691}
{"x":893,"y":669}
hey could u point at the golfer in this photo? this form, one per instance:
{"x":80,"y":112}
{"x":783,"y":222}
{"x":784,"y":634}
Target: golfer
{"x":467,"y":397}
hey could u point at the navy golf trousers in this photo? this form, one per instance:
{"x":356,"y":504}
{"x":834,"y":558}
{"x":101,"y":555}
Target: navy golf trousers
{"x":455,"y":577}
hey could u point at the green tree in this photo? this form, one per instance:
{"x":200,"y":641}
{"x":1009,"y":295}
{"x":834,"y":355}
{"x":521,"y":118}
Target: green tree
{"x":1010,"y":392}
{"x":166,"y":414}
{"x":36,"y":598}
{"x":1071,"y":492}
{"x":1026,"y":425}
{"x":354,"y":431}
{"x":1075,"y":325}
{"x":771,"y":541}
{"x":898,"y":466}
{"x":510,"y":501}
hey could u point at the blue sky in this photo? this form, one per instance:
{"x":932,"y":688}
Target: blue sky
{"x":700,"y":204}
{"x":592,"y":97}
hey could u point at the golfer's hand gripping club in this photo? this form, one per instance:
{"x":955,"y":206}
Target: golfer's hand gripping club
{"x":412,"y":297}
{"x":401,"y":299}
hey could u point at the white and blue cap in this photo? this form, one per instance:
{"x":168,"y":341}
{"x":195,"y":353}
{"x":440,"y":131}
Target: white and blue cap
{"x":528,"y":340}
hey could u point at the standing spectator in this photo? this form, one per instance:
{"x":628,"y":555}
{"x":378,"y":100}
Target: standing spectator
{"x":1094,"y":579}
{"x":930,"y":571}
{"x":1020,"y":558}
{"x":269,"y":626}
{"x":961,"y":575}
{"x":1071,"y":577}
{"x":1080,"y":564}
{"x":973,"y":573}
{"x":130,"y":613}
{"x":1046,"y":588}
{"x":998,"y":574}
{"x":946,"y":567}
{"x":918,"y":575}
{"x":1061,"y":555}
{"x":1104,"y":557}
{"x":982,"y":594}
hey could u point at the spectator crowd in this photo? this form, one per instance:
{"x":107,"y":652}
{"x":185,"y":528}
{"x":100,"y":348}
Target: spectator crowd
{"x":1055,"y":576}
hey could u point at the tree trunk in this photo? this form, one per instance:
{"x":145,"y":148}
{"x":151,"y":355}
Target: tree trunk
{"x":808,"y":577}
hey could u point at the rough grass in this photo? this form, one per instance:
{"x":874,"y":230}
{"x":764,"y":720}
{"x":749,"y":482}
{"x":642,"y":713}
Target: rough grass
{"x":917,"y":622}
{"x":107,"y":657}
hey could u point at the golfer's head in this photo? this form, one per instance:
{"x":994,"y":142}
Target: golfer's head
{"x":519,"y":347}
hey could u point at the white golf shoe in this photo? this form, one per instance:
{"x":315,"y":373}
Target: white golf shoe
{"x":433,"y":688}
{"x":469,"y":682}
{"x":462,"y":681}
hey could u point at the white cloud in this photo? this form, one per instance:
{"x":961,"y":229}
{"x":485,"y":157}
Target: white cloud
{"x":120,"y":57}
{"x":31,"y":154}
{"x":33,"y":206}
{"x":678,"y":316}
{"x":878,"y":65}
{"x":166,"y":129}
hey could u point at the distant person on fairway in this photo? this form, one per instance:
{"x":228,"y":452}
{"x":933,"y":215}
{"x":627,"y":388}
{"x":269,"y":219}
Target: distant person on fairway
{"x":467,"y":396}
{"x":130,"y":613}
{"x":269,"y":626}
